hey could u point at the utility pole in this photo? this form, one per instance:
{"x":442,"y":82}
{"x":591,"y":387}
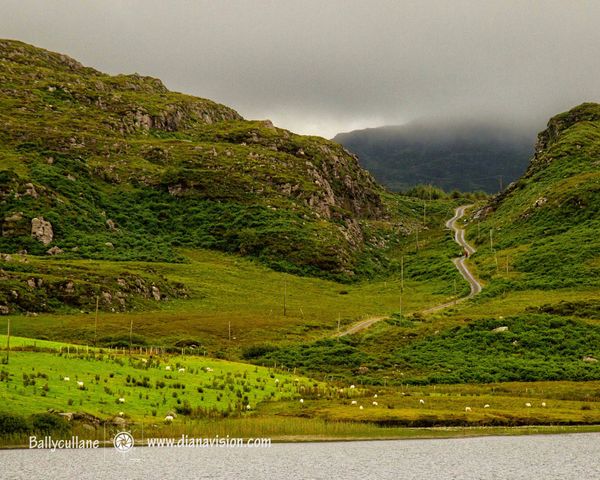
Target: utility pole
{"x":285,"y":297}
{"x":455,"y":291}
{"x":130,"y":334}
{"x":402,"y":273}
{"x":401,"y":281}
{"x":96,"y":321}
{"x":8,"y":341}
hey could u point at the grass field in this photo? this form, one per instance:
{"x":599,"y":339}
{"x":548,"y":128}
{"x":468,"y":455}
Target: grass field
{"x":211,"y":397}
{"x":141,"y":387}
{"x":228,"y":290}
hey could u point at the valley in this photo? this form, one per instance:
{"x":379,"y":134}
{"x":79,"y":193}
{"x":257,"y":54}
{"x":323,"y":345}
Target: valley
{"x":144,"y":228}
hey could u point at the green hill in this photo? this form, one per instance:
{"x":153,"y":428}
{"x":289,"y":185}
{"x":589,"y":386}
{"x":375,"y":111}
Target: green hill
{"x":122,"y":160}
{"x":547,"y":222}
{"x":118,"y":168}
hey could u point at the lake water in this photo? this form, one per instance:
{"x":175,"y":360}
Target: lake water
{"x":572,"y":456}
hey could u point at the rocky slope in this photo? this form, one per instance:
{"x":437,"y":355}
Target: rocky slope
{"x":548,"y":221}
{"x":118,"y":167}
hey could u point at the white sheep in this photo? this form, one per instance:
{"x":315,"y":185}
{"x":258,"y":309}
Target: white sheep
{"x":169,"y":418}
{"x":121,"y":414}
{"x":301,"y":400}
{"x":422,"y":402}
{"x":352,"y":386}
{"x":80,"y":384}
{"x":543,"y":404}
{"x":361,"y":407}
{"x":375,"y":396}
{"x":208,"y":369}
{"x":528,"y":404}
{"x":121,"y":400}
{"x":248,"y":407}
{"x":375,"y":404}
{"x":181,"y":370}
{"x":486,"y":405}
{"x":67,"y":379}
{"x":144,"y":360}
{"x":467,"y":409}
{"x":276,"y":380}
{"x":168,"y":368}
{"x":354,"y":402}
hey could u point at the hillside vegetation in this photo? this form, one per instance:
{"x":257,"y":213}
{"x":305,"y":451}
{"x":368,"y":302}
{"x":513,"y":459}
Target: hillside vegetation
{"x":544,"y":227}
{"x":118,"y":167}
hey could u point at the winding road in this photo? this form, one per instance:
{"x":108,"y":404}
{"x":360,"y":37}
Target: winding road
{"x":459,"y":262}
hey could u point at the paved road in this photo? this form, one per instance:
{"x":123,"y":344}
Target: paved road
{"x":460,"y":263}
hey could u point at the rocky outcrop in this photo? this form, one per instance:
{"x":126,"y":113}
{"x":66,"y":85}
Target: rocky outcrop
{"x":177,"y":116}
{"x":41,"y":230}
{"x":11,"y":224}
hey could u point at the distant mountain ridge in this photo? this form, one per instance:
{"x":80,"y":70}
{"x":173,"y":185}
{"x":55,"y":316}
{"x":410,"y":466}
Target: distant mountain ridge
{"x":466,"y":155}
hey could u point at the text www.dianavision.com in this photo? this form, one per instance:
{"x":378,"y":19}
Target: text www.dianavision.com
{"x":199,"y":442}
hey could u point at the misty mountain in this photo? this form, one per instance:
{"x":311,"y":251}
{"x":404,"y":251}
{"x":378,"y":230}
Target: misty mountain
{"x":467,"y":156}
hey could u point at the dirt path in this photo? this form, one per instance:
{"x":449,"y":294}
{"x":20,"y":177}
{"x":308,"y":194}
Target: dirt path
{"x":460,"y":263}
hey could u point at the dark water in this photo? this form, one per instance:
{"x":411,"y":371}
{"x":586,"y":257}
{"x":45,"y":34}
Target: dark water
{"x":574,"y":456}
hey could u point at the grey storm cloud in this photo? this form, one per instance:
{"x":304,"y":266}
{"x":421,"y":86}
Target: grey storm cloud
{"x":326,"y":66}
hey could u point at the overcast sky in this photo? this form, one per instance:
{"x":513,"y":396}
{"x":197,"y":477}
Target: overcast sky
{"x":326,"y":66}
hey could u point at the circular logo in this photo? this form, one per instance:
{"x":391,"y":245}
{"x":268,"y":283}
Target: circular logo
{"x":123,"y":441}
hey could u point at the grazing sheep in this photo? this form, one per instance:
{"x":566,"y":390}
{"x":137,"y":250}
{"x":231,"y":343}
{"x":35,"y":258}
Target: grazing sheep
{"x":181,"y":370}
{"x":208,"y":369}
{"x":361,"y":407}
{"x":486,"y":405}
{"x":276,"y":380}
{"x":543,"y":404}
{"x":121,"y":400}
{"x":248,"y":407}
{"x":528,"y":404}
{"x":352,"y":386}
{"x":375,"y":404}
{"x":144,"y":360}
{"x":467,"y":409}
{"x":301,"y":400}
{"x":80,"y":384}
{"x":168,"y":368}
{"x":422,"y":402}
{"x":375,"y":396}
{"x":168,"y":418}
{"x":67,"y":379}
{"x":121,"y":414}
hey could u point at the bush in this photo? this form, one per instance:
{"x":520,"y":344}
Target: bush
{"x":47,"y":423}
{"x":13,"y":424}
